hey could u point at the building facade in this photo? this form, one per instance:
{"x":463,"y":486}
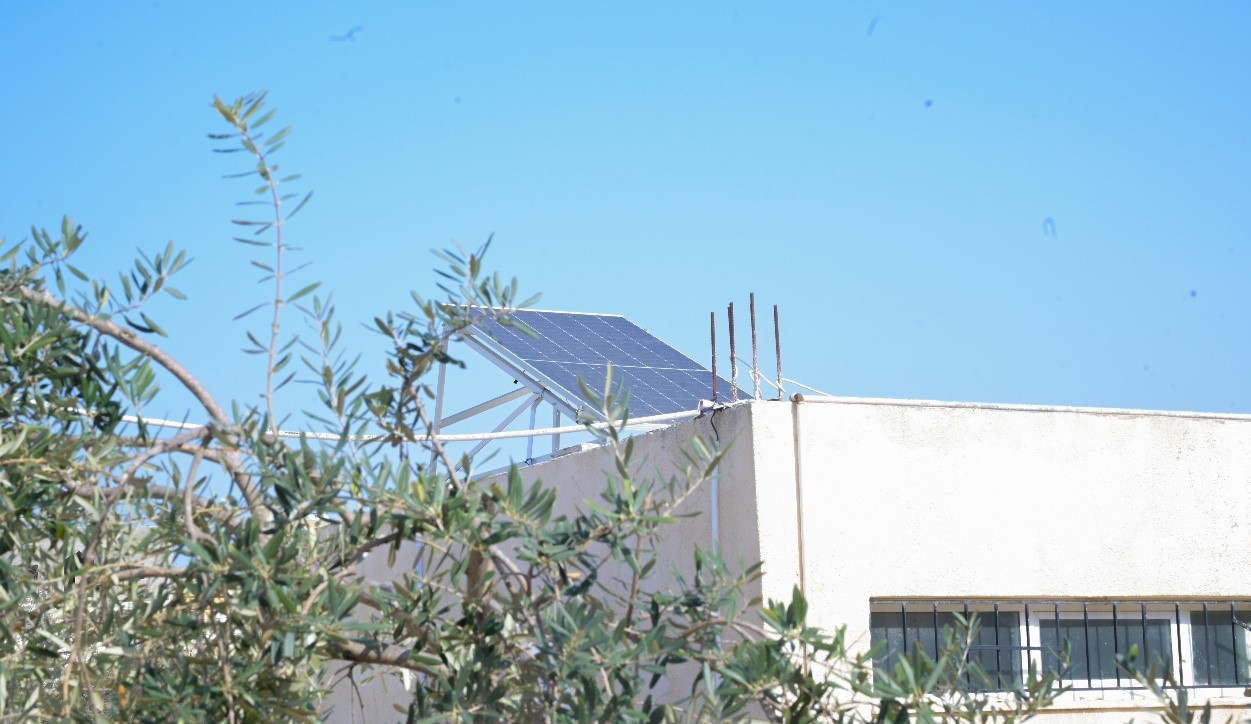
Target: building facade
{"x":1072,"y":534}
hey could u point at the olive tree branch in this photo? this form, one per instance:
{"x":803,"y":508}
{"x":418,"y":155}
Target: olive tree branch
{"x":267,"y":172}
{"x":132,"y":572}
{"x":154,"y":492}
{"x":188,"y":497}
{"x":383,"y":654}
{"x":231,"y":460}
{"x":159,"y":447}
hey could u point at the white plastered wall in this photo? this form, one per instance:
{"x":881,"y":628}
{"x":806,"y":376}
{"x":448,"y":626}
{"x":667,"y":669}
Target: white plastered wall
{"x":581,"y":477}
{"x":858,"y":500}
{"x":368,"y":694}
{"x":923,"y":500}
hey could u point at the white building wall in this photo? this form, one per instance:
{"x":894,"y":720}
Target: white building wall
{"x":368,"y":694}
{"x":858,"y":500}
{"x":902,"y":499}
{"x":925,"y":500}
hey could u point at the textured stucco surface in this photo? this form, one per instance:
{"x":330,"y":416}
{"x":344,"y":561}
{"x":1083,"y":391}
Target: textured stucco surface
{"x":967,"y":502}
{"x":922,"y":500}
{"x":858,"y":500}
{"x":364,"y":695}
{"x":581,"y":477}
{"x":899,"y":499}
{"x":661,"y":454}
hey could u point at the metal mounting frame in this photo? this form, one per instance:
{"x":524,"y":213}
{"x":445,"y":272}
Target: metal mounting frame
{"x":551,"y":393}
{"x":535,"y":389}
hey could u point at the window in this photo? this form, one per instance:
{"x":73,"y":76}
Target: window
{"x":996,"y":640}
{"x":1094,"y":640}
{"x":1219,"y":644}
{"x":1196,"y":644}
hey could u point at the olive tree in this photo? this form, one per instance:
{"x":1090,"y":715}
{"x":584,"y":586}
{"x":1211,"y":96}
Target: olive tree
{"x":213,"y":572}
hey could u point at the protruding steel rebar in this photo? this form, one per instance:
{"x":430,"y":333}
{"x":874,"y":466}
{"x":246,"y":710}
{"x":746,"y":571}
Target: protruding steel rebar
{"x":777,"y":344}
{"x":733,"y":358}
{"x":755,"y":354}
{"x":712,"y":330}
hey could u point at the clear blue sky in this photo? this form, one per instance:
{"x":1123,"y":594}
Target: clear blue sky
{"x":883,"y":171}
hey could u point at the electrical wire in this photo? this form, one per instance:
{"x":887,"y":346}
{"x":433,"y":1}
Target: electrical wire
{"x":463,"y":437}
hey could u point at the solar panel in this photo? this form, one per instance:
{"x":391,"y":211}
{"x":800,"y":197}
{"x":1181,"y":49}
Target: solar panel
{"x":569,"y":345}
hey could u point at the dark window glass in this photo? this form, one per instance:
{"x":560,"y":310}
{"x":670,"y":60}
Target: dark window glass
{"x":1219,"y":643}
{"x":996,"y":642}
{"x":1095,"y":642}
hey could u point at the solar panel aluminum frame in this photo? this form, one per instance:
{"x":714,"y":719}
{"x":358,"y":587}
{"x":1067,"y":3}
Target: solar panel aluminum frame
{"x":552,"y":393}
{"x":662,"y":373}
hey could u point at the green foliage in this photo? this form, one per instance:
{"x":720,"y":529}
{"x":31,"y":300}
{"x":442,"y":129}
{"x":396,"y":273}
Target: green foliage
{"x":909,"y":690}
{"x":215,"y":573}
{"x":1176,"y":707}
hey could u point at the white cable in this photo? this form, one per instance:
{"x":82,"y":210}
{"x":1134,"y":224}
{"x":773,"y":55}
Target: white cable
{"x":806,"y":387}
{"x":467,"y":437}
{"x":774,"y":384}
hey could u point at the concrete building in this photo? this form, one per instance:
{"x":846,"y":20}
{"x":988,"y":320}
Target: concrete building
{"x":1103,"y":528}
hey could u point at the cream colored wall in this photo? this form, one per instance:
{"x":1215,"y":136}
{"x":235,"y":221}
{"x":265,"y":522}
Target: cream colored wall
{"x":904,"y":500}
{"x":582,"y":476}
{"x":967,"y":501}
{"x":579,"y":478}
{"x":366,"y":694}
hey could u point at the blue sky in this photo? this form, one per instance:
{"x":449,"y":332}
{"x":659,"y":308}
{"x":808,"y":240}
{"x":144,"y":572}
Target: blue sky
{"x":883,"y":171}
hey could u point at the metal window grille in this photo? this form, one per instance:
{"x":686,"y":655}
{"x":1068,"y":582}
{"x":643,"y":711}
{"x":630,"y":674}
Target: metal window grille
{"x":1195,"y":643}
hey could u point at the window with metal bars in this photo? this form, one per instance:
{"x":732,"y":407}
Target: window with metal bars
{"x":1190,"y":643}
{"x":996,"y":640}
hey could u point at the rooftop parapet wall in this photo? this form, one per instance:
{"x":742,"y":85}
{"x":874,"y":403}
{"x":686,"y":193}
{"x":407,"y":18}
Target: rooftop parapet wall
{"x":900,"y":498}
{"x":582,"y":476}
{"x":955,"y":499}
{"x":922,"y":500}
{"x":889,"y":499}
{"x":926,"y":499}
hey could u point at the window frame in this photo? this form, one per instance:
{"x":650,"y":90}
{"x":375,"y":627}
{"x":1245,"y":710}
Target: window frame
{"x":1178,"y":615}
{"x":1230,"y":607}
{"x":984,"y":610}
{"x":1120,"y":682}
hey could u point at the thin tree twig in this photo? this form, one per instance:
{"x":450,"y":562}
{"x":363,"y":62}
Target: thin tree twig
{"x":384,"y":654}
{"x":188,"y":517}
{"x":159,"y":447}
{"x":438,"y":446}
{"x":232,"y":461}
{"x":266,"y":172}
{"x":135,"y":572}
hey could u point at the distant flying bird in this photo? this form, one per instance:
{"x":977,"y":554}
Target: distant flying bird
{"x":873,"y":24}
{"x":349,"y":35}
{"x":1049,"y":227}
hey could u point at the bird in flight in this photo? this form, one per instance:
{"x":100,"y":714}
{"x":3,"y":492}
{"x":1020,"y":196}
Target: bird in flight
{"x":349,"y":35}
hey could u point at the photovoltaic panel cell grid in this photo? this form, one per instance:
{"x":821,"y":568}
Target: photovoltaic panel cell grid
{"x":569,"y":345}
